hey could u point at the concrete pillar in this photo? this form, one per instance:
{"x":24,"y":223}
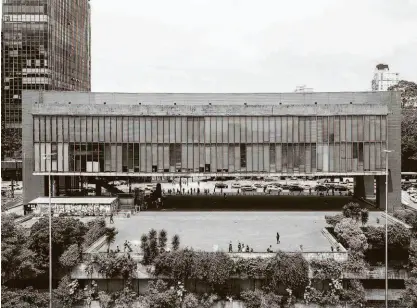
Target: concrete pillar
{"x":98,"y":189}
{"x":369,"y":186}
{"x":380,"y":192}
{"x":359,"y":187}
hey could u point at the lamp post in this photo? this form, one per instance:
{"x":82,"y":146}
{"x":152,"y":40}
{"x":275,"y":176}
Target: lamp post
{"x":386,"y":224}
{"x":48,"y":157}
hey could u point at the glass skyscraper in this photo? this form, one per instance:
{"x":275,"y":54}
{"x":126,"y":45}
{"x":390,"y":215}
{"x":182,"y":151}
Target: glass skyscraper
{"x":46,"y":45}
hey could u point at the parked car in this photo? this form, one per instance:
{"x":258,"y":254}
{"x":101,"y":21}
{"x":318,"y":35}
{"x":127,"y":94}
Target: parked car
{"x":412,"y":190}
{"x":320,"y":188}
{"x":248,"y":188}
{"x":236,"y":185}
{"x":285,"y":186}
{"x":220,"y":185}
{"x":273,"y":188}
{"x":340,"y":188}
{"x":258,"y":185}
{"x":413,"y":198}
{"x":296,"y":188}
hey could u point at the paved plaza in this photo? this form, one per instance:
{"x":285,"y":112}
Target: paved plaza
{"x":206,"y":230}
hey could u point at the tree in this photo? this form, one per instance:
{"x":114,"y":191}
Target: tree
{"x":351,"y":235}
{"x":144,"y":246}
{"x":65,"y":232}
{"x":23,"y":298}
{"x":408,"y":124}
{"x":364,"y":216}
{"x":68,"y":292}
{"x":162,"y":240}
{"x":110,"y":237}
{"x":71,"y":257}
{"x":290,"y":271}
{"x":175,"y":242}
{"x":17,"y":260}
{"x":125,"y":298}
{"x":352,"y":210}
{"x":104,"y":299}
{"x":409,"y":296}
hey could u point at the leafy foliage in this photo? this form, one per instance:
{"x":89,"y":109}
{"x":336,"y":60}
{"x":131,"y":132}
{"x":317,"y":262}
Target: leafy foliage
{"x":23,"y":298}
{"x":96,"y":229}
{"x":17,"y":260}
{"x":352,"y":210}
{"x":71,"y":257}
{"x":110,"y":233}
{"x":65,"y":232}
{"x":125,"y":298}
{"x":162,"y":240}
{"x":351,"y":235}
{"x":333,"y":220}
{"x":111,"y":265}
{"x":68,"y":292}
{"x":409,"y":297}
{"x":289,"y":270}
{"x":326,"y":269}
{"x":153,"y":245}
{"x":175,"y":242}
{"x":408,"y":216}
{"x":398,"y":236}
{"x":408,"y":124}
{"x":260,"y":299}
{"x":159,"y":295}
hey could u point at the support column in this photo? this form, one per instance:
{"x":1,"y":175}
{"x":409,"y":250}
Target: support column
{"x":369,"y":186}
{"x":380,"y":192}
{"x":98,"y":189}
{"x":359,"y":187}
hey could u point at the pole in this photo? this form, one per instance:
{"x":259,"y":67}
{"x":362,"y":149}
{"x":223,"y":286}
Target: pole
{"x":50,"y":240}
{"x":386,"y":228}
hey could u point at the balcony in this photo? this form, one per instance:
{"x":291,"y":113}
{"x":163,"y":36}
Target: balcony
{"x":378,"y":272}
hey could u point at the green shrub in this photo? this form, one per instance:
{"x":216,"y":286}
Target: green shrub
{"x":326,"y":269}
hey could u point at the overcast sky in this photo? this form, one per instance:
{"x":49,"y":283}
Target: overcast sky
{"x":249,"y":45}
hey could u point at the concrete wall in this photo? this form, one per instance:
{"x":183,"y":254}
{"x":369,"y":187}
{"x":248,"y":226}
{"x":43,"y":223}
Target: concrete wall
{"x":33,"y":186}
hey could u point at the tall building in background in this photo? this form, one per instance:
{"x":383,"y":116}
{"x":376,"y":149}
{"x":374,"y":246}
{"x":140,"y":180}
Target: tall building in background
{"x":383,"y":78}
{"x":46,"y":45}
{"x":303,"y":89}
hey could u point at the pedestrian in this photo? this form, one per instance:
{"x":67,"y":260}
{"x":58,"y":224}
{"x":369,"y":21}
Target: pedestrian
{"x":117,"y":249}
{"x":111,"y":218}
{"x":332,"y":248}
{"x":230,"y":247}
{"x":239,"y":247}
{"x":270,"y":248}
{"x":247,"y":248}
{"x":224,"y":194}
{"x":265,"y":189}
{"x":278,"y":238}
{"x":309,"y":191}
{"x":125,"y":246}
{"x":251,"y":250}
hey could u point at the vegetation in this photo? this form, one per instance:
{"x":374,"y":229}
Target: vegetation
{"x":18,"y":261}
{"x":110,"y":234}
{"x":260,"y":299}
{"x":408,"y":124}
{"x":111,"y":265}
{"x":152,"y":245}
{"x":68,"y":293}
{"x":96,"y":229}
{"x":407,"y":216}
{"x":23,"y":298}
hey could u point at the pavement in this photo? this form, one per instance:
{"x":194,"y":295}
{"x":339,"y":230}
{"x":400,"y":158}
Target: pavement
{"x":211,"y":231}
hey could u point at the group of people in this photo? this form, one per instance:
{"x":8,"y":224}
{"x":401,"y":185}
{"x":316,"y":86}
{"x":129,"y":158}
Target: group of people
{"x":240,"y":247}
{"x":126,"y":247}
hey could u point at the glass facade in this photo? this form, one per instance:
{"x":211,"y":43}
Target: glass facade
{"x":252,"y":144}
{"x":45,"y":45}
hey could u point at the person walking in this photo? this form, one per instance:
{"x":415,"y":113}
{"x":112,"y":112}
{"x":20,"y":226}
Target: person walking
{"x":278,"y":238}
{"x":239,"y":247}
{"x":111,"y":218}
{"x":230,"y":247}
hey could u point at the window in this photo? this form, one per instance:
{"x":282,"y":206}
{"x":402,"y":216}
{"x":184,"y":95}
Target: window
{"x":360,"y":152}
{"x":355,"y":151}
{"x":243,"y":155}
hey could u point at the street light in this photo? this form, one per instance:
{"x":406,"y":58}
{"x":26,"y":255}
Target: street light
{"x":386,"y":224}
{"x":48,"y":157}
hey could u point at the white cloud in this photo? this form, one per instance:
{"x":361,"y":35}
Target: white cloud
{"x":246,"y":45}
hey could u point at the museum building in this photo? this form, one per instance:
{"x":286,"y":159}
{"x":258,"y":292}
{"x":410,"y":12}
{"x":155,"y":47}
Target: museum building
{"x":81,"y":134}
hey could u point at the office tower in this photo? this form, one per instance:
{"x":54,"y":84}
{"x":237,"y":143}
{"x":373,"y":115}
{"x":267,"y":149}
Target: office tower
{"x":383,"y":78}
{"x":46,"y":45}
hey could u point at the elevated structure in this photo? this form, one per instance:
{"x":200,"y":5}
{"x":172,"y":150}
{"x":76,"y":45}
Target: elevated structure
{"x":383,"y":78}
{"x":276,"y":134}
